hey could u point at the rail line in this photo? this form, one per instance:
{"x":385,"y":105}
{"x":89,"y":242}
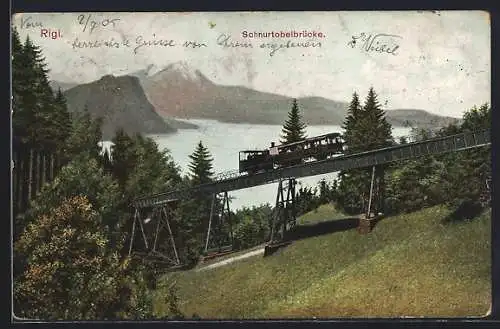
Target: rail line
{"x":233,"y":180}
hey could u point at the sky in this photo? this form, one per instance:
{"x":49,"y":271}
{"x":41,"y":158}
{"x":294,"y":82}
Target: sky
{"x":436,"y":61}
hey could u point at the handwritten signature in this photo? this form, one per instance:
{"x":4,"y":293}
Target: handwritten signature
{"x":380,"y":43}
{"x":88,"y":22}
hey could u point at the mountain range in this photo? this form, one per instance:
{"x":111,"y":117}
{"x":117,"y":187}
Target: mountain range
{"x":150,"y":100}
{"x":180,"y":91}
{"x":120,"y":102}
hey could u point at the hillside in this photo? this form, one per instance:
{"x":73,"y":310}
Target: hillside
{"x":181,"y":91}
{"x":121,"y":102}
{"x":56,"y":85}
{"x":410,"y":265}
{"x":418,"y":118}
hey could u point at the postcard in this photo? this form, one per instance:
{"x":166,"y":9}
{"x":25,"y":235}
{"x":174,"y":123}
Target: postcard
{"x":251,"y":165}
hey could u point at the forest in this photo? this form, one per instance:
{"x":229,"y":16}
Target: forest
{"x":72,"y":214}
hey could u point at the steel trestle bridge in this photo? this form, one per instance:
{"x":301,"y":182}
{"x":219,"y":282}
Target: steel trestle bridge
{"x":158,"y":237}
{"x":236,"y":181}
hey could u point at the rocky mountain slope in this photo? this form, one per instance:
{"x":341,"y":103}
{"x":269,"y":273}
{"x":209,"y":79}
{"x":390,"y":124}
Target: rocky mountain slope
{"x":121,"y":102}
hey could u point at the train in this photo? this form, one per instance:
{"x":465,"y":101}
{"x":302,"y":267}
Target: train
{"x":285,"y":155}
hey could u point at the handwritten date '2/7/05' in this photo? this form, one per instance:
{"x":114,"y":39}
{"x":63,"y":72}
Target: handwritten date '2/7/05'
{"x":380,"y":43}
{"x":90,"y":23}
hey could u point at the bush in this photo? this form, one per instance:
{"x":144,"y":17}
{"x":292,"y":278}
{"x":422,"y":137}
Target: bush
{"x":247,"y":234}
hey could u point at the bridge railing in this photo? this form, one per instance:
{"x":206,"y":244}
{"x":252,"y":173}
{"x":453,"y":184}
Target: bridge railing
{"x":233,"y":181}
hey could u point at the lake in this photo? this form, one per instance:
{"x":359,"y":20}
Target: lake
{"x":225,"y":140}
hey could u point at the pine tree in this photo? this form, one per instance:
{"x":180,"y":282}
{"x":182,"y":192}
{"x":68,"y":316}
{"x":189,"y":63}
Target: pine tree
{"x":352,"y":135}
{"x":365,"y":128}
{"x":122,"y":154}
{"x":294,"y":128}
{"x":201,"y":165}
{"x":23,"y":102}
{"x":18,"y":86}
{"x":377,"y":132}
{"x":61,"y":120}
{"x":39,"y":97}
{"x":85,"y":135}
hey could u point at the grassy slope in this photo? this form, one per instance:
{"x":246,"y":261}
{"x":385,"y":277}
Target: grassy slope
{"x":411,"y":265}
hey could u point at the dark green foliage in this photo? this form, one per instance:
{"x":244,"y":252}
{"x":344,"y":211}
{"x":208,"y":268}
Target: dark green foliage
{"x":38,"y":117}
{"x":61,"y":119}
{"x":327,"y":192}
{"x":124,"y":159}
{"x":477,"y":118}
{"x":294,"y":128}
{"x":140,"y":167}
{"x":73,"y":272}
{"x":201,"y":165}
{"x":352,"y":133}
{"x":194,"y":214}
{"x":106,"y":163}
{"x":376,"y":131}
{"x":366,"y":128}
{"x":84,"y":137}
{"x":457,"y":179}
{"x":73,"y":235}
{"x":83,"y":176}
{"x":414,"y":185}
{"x":251,"y":226}
{"x":305,"y":200}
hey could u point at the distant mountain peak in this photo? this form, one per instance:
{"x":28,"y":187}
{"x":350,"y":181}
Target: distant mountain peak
{"x":121,"y":102}
{"x":184,"y":69}
{"x":107,"y":77}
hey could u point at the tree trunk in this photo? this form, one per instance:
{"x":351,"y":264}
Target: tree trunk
{"x":21,"y":180}
{"x":30,"y":175}
{"x":44,"y":170}
{"x":14,"y":172}
{"x":38,"y":176}
{"x":51,"y":169}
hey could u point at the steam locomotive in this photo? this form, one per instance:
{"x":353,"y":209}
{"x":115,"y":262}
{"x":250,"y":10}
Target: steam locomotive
{"x":311,"y":149}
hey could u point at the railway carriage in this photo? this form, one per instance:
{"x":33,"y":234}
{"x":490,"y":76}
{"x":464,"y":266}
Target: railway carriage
{"x":311,"y":149}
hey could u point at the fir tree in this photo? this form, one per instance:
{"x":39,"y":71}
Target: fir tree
{"x":85,"y":135}
{"x":201,"y":165}
{"x":39,"y":97}
{"x":352,"y":135}
{"x":24,"y":101}
{"x":123,"y":159}
{"x":365,"y":128}
{"x":294,"y":128}
{"x":377,"y":132}
{"x":61,"y":119}
{"x":18,"y":85}
{"x":196,"y":212}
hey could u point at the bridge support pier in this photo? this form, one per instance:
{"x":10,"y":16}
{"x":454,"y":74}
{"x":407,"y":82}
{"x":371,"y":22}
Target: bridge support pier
{"x":367,"y":220}
{"x":158,"y":243}
{"x":220,"y":230}
{"x":284,"y":214}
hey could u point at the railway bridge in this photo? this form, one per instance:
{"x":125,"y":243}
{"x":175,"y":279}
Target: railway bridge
{"x":156,"y":211}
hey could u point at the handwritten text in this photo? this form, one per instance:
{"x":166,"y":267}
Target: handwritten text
{"x":29,"y":23}
{"x":380,"y":43}
{"x":225,"y":41}
{"x":89,"y":23}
